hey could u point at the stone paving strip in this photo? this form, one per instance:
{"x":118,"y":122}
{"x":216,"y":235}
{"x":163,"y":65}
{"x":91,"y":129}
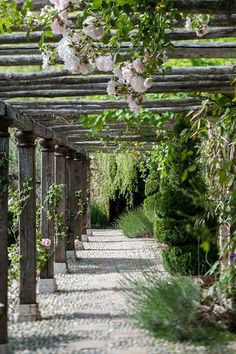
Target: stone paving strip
{"x":88,"y":314}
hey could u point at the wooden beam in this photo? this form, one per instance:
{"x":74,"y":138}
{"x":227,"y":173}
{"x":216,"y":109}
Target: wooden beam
{"x":5,"y":122}
{"x":70,"y":200}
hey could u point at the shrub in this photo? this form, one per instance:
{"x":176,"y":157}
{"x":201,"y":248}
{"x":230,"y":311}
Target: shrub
{"x":151,"y":203}
{"x":152,"y":184}
{"x":171,"y":231}
{"x":135,"y":223}
{"x":98,"y":216}
{"x":167,"y":309}
{"x":189,"y":259}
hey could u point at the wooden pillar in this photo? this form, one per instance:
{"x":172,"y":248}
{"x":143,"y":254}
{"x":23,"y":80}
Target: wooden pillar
{"x":88,"y":201}
{"x":47,"y":283}
{"x":28,"y":308}
{"x":70,"y":202}
{"x":78,"y":201}
{"x":84,"y":172}
{"x":4,"y":163}
{"x":60,"y":265}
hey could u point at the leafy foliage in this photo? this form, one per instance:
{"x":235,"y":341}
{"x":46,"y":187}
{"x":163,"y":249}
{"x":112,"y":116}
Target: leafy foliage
{"x":136,"y":223}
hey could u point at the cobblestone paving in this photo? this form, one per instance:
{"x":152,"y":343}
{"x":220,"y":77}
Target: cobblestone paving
{"x":87,"y":314}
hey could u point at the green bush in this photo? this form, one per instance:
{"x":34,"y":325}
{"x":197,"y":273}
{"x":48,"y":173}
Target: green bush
{"x":98,"y":217}
{"x":171,"y":231}
{"x":167,"y":309}
{"x":135,"y":223}
{"x":152,"y":184}
{"x":151,"y":203}
{"x":189,"y":259}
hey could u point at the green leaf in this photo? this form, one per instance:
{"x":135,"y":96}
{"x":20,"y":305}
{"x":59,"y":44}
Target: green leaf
{"x":96,"y":4}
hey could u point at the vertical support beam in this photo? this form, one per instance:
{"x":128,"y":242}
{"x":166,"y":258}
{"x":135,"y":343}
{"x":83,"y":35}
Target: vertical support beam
{"x":70,"y":202}
{"x":47,"y":283}
{"x":60,"y":265}
{"x":4,"y":165}
{"x":84,"y":172}
{"x":88,"y":201}
{"x":28,"y":308}
{"x":78,"y":201}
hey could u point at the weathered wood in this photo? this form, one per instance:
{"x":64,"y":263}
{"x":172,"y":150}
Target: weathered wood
{"x":47,"y":224}
{"x":78,"y":188}
{"x":84,"y":172}
{"x":189,"y":6}
{"x":185,"y":86}
{"x":88,"y":195}
{"x":70,"y":199}
{"x":5,"y":122}
{"x":27,"y":222}
{"x":60,"y":178}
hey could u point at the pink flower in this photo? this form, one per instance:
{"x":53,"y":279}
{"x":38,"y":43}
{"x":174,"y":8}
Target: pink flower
{"x":1,"y":305}
{"x":133,"y":106}
{"x":111,"y":87}
{"x":46,"y":242}
{"x":137,"y":84}
{"x":188,"y":24}
{"x":127,"y":73}
{"x":138,"y":66}
{"x":148,"y":83}
{"x":78,"y":244}
{"x":92,"y":28}
{"x":85,"y":68}
{"x":118,"y":73}
{"x":105,"y":63}
{"x":203,"y":30}
{"x":58,"y":26}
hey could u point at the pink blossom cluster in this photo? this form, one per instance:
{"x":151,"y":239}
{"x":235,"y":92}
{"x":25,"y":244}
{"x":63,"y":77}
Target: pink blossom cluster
{"x":201,"y":27}
{"x":46,"y":242}
{"x":77,"y":243}
{"x":1,"y":305}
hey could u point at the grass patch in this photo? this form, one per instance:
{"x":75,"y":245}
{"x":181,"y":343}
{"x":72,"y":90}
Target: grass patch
{"x":170,"y":309}
{"x":135,"y":223}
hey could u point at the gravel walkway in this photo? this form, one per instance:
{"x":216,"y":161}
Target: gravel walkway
{"x":87,"y":314}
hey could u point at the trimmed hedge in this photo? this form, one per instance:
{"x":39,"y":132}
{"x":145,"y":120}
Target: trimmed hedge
{"x":171,"y":231}
{"x":189,"y":259}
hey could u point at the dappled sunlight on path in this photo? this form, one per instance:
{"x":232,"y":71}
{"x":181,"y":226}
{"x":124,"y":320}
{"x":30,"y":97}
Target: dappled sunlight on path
{"x":88,"y":314}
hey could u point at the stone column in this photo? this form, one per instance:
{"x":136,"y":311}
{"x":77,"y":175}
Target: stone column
{"x":28,"y":307}
{"x":47,"y":283}
{"x":70,"y":202}
{"x":78,"y":201}
{"x":60,"y":265}
{"x":4,"y":162}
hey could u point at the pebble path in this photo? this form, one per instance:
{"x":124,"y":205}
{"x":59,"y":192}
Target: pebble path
{"x":88,"y":313}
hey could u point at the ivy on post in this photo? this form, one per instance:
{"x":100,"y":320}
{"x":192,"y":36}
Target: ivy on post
{"x":47,"y":283}
{"x":79,"y":206}
{"x":28,"y":307}
{"x":88,"y":208}
{"x":5,"y":122}
{"x":60,"y":265}
{"x":70,"y":202}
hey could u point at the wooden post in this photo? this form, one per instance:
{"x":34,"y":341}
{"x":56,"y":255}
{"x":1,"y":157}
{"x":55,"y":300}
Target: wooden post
{"x":28,"y":308}
{"x":4,"y":163}
{"x":47,"y":283}
{"x":60,"y":265}
{"x":88,"y":201}
{"x":70,"y":202}
{"x":78,"y":200}
{"x":84,"y":172}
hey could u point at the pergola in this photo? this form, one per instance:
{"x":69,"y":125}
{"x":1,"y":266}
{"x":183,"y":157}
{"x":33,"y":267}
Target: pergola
{"x":48,"y":105}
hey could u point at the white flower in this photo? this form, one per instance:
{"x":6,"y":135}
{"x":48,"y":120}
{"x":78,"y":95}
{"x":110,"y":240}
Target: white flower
{"x":105,"y":63}
{"x":202,"y":30}
{"x":133,"y":106}
{"x":137,"y":84}
{"x":58,"y":26}
{"x":46,"y":60}
{"x":111,"y":87}
{"x":1,"y":305}
{"x":92,"y":28}
{"x":127,"y":73}
{"x":148,"y":83}
{"x":138,"y":65}
{"x":118,"y":73}
{"x":188,"y":24}
{"x":85,"y":68}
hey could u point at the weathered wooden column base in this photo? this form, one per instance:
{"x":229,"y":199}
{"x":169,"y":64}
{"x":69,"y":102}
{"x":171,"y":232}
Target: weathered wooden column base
{"x":60,"y":268}
{"x":28,"y":313}
{"x":5,"y":349}
{"x":46,"y":286}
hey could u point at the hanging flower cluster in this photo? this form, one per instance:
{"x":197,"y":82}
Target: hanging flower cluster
{"x":198,"y":23}
{"x":127,"y":38}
